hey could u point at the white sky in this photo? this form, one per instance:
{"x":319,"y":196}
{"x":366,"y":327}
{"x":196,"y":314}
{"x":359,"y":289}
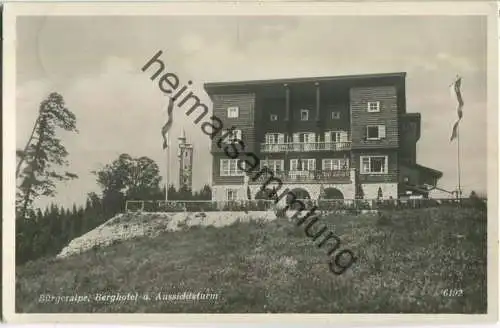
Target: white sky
{"x":95,"y":63}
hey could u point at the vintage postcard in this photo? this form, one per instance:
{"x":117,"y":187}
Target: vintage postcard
{"x":258,"y":162}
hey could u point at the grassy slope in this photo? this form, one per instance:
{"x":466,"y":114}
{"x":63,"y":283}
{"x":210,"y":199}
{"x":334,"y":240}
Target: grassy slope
{"x":403,"y":266}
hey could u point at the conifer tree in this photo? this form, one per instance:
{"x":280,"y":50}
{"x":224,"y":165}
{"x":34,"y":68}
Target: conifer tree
{"x":44,"y":153}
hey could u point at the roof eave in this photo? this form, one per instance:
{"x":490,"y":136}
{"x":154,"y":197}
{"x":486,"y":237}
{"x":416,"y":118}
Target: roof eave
{"x":210,"y":86}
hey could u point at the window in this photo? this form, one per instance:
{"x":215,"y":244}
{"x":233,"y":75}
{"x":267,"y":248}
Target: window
{"x":274,"y":117}
{"x":233,"y":136}
{"x":304,"y":137}
{"x":275,"y":138}
{"x":333,"y":136}
{"x":373,"y":164}
{"x":373,"y":106}
{"x":335,"y":164}
{"x":308,"y":164}
{"x":231,"y":194}
{"x":233,"y":112}
{"x":229,"y":168}
{"x":275,"y":165}
{"x":304,"y":114}
{"x":375,"y":132}
{"x":335,"y":115}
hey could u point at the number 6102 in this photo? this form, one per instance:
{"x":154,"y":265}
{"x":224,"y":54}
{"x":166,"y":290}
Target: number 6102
{"x":452,"y":292}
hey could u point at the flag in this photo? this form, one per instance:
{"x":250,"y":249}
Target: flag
{"x":457,"y":84}
{"x":168,"y":124}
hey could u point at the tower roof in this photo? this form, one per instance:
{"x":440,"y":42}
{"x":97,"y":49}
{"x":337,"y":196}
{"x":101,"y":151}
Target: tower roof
{"x":183,"y":135}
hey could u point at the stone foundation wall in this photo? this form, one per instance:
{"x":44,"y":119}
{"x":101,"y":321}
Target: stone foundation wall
{"x":347,"y":189}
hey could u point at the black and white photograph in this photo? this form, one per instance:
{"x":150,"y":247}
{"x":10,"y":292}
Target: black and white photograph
{"x":250,"y":161}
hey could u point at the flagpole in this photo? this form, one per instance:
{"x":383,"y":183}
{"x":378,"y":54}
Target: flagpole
{"x":167,"y":179}
{"x":459,"y":191}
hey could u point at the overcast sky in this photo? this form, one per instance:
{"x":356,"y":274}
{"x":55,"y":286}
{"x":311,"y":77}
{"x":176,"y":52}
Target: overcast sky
{"x":95,"y":63}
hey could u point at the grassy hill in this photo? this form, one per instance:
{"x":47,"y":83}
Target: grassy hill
{"x":406,"y":260}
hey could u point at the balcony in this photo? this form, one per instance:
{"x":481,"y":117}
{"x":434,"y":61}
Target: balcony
{"x":304,"y":147}
{"x":316,"y":176}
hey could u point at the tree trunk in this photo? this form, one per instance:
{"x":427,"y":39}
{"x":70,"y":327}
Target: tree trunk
{"x":32,"y":174}
{"x":21,"y":160}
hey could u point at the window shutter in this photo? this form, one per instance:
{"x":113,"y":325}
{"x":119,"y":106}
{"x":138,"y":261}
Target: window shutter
{"x":365,"y":136}
{"x":328,"y":137}
{"x":281,"y":138}
{"x":311,"y":137}
{"x":269,"y":138}
{"x":365,"y":164}
{"x":296,"y":138}
{"x":343,"y":136}
{"x":223,"y":167}
{"x":381,"y":131}
{"x":241,"y":170}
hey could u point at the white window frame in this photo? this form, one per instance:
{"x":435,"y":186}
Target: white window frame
{"x":368,"y":170}
{"x":275,"y":138}
{"x":232,"y":169}
{"x":376,"y":108}
{"x":381,"y":132}
{"x":274,"y":117}
{"x":335,"y":116}
{"x":330,"y":134}
{"x":234,"y":191}
{"x":273,"y":164}
{"x":306,"y":112}
{"x":334,"y":164}
{"x":304,"y":137}
{"x":235,"y":135}
{"x":310,"y":163}
{"x":233,"y":112}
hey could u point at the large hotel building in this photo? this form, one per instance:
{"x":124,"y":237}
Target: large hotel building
{"x":336,"y":137}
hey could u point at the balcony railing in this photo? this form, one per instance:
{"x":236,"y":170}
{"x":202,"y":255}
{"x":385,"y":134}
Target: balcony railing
{"x":316,"y":176}
{"x":305,"y":146}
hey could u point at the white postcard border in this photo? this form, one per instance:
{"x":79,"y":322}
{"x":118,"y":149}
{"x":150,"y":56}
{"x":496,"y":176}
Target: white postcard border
{"x":11,"y":10}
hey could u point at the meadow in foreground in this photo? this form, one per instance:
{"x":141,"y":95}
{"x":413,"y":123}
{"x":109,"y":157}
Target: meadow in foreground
{"x":406,"y":260}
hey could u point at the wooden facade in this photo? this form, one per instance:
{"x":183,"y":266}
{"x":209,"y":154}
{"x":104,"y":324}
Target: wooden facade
{"x":343,"y":114}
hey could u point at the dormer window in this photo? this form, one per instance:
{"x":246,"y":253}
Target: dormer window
{"x":274,"y":117}
{"x":373,"y":106}
{"x":304,"y":114}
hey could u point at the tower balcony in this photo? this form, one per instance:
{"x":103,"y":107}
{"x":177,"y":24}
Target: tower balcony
{"x":304,"y":146}
{"x":314,"y":176}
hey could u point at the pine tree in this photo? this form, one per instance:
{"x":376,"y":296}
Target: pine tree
{"x":43,"y":154}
